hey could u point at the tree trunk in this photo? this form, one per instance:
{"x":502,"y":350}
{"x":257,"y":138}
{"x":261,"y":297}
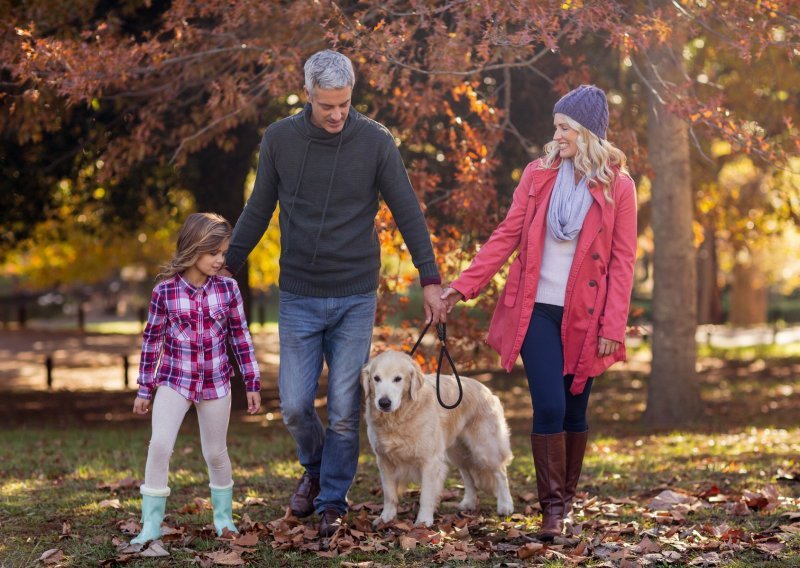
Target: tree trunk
{"x":672,"y":395}
{"x":216,"y":178}
{"x":748,"y":292}
{"x":709,"y":304}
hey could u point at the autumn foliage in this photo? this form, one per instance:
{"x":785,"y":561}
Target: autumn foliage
{"x":467,"y":88}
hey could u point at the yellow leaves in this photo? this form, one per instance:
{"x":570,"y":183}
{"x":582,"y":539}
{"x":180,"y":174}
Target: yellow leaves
{"x":263,"y":261}
{"x":74,"y":247}
{"x":720,"y":148}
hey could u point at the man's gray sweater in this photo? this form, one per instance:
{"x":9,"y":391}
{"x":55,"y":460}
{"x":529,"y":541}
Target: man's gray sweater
{"x":328,"y":186}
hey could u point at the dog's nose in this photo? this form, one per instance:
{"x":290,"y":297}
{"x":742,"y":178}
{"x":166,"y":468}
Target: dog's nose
{"x":385,"y":403}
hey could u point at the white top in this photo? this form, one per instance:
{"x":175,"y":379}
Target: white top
{"x":556,"y":263}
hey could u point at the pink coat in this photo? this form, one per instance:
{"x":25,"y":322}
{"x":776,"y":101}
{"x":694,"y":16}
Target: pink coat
{"x":599,"y":284}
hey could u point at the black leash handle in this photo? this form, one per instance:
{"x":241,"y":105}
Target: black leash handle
{"x":441,"y":331}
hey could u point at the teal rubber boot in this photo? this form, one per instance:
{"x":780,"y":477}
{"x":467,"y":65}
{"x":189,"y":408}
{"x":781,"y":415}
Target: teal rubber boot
{"x":154,"y":503}
{"x":222,"y":502}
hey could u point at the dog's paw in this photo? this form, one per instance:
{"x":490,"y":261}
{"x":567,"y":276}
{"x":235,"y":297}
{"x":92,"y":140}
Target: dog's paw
{"x":386,"y":517}
{"x":468,"y":505}
{"x":505,"y":509}
{"x":424,"y":520}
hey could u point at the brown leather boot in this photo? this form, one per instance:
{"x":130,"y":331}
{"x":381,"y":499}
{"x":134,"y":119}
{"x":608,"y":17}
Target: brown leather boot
{"x":302,"y":500}
{"x":576,"y":449}
{"x":549,"y":459}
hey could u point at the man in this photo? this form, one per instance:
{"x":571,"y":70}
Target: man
{"x":328,"y":166}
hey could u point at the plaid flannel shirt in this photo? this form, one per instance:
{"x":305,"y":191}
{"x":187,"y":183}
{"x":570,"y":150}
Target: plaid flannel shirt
{"x":184,"y":341}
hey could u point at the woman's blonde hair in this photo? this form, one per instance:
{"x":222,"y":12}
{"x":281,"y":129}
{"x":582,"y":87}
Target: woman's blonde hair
{"x":595,"y":158}
{"x":201,"y":233}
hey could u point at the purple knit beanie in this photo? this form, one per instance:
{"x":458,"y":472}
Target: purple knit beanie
{"x":587,"y":106}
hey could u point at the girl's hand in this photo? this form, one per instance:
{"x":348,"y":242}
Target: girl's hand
{"x":253,"y":402}
{"x":606,"y":346}
{"x":451,"y":297}
{"x":141,"y":405}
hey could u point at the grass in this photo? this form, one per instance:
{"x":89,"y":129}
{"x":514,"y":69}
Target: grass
{"x":49,"y":474}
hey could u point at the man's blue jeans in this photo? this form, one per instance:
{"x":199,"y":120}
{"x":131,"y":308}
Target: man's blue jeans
{"x":338,"y":330}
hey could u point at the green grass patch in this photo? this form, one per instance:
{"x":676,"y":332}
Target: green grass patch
{"x":52,"y":475}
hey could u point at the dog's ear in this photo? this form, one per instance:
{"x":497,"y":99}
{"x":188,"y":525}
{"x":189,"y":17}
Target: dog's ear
{"x":366,"y":379}
{"x":417,"y":380}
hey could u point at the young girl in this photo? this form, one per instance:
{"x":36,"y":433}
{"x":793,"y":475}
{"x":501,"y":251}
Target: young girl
{"x":192,"y":313}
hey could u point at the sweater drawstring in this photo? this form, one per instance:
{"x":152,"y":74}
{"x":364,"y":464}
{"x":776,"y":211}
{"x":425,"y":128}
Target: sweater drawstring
{"x":294,"y":195}
{"x":327,"y":198}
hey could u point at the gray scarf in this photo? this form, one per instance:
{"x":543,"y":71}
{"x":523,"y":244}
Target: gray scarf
{"x":569,"y":204}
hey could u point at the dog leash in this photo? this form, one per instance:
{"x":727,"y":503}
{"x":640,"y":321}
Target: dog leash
{"x":441,"y":331}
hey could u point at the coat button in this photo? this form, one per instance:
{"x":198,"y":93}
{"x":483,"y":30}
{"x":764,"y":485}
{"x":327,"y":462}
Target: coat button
{"x":591,"y":311}
{"x":592,"y":283}
{"x":596,"y":256}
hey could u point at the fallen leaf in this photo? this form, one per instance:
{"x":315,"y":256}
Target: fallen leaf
{"x":248,"y":539}
{"x":109,"y":503}
{"x":224,"y":558}
{"x":66,"y":530}
{"x":255,"y":501}
{"x":707,"y":559}
{"x":407,"y":542}
{"x":668,"y":499}
{"x":129,"y":527}
{"x":740,"y":508}
{"x":771,"y":547}
{"x":647,"y":546}
{"x":52,"y":556}
{"x":154,"y":550}
{"x":530,"y":549}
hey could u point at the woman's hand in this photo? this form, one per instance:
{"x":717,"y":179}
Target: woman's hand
{"x":450,"y":297}
{"x":253,"y":402}
{"x":606,"y":346}
{"x":141,"y":405}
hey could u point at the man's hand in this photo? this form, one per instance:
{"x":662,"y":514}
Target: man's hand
{"x":141,"y":405}
{"x":450,"y":297}
{"x":224,"y":272}
{"x":434,"y":309}
{"x":253,"y":402}
{"x":606,"y":346}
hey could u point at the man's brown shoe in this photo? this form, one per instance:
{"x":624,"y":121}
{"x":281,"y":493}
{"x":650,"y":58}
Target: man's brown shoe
{"x":330,"y":523}
{"x":302,"y":501}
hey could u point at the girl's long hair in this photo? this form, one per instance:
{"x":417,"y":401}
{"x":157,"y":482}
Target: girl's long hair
{"x":201,"y":233}
{"x":595,"y":158}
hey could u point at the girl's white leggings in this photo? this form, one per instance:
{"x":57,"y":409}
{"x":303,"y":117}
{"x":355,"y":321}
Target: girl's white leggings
{"x":169,"y":409}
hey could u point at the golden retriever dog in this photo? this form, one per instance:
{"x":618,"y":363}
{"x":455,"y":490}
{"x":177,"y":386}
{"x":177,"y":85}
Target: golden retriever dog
{"x":415,"y":439}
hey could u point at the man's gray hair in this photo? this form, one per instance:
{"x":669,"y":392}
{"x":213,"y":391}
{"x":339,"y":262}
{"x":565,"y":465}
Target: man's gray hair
{"x":329,"y":70}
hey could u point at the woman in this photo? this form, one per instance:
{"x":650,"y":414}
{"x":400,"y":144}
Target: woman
{"x":565,"y":304}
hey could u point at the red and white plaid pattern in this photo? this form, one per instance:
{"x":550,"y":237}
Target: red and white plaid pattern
{"x":184,"y":343}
